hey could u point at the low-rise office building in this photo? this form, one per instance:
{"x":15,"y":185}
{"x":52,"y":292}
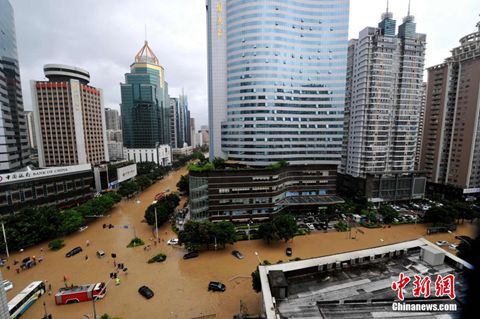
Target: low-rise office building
{"x":63,"y":186}
{"x":384,"y":187}
{"x":161,"y":155}
{"x":240,"y":193}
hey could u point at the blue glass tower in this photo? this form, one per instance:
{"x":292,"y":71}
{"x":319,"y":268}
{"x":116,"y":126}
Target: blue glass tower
{"x":277,"y":80}
{"x":14,"y":149}
{"x":145,"y":103}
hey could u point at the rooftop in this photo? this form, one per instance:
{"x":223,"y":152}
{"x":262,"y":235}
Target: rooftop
{"x":358,"y":284}
{"x":146,"y":55}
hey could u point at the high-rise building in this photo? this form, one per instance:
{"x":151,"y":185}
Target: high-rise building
{"x":421,"y":123}
{"x":382,"y":110}
{"x":192,"y":132}
{"x":145,"y":103}
{"x":32,"y":139}
{"x":115,"y":151}
{"x":451,"y":138}
{"x":14,"y":148}
{"x":204,"y":131}
{"x":179,"y":122}
{"x":173,"y":122}
{"x":69,"y":118}
{"x":276,"y":80}
{"x":112,"y":119}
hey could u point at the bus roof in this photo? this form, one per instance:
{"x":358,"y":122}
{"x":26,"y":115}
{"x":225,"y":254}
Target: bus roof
{"x":12,"y":303}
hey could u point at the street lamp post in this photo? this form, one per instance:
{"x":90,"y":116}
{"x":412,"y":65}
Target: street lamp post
{"x":156,"y":219}
{"x":258,"y":257}
{"x":45,"y":308}
{"x":5,"y":240}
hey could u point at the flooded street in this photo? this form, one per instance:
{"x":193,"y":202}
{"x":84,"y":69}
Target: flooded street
{"x":180,"y":286}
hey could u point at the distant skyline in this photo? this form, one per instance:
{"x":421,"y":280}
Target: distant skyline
{"x":104,"y":36}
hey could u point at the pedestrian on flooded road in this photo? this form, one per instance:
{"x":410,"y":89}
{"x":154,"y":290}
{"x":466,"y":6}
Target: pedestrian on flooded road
{"x":86,"y":257}
{"x":87,"y":242}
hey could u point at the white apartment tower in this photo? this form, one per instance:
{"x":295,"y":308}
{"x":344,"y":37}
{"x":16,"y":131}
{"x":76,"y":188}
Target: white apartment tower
{"x":276,"y":80}
{"x":383,"y":99}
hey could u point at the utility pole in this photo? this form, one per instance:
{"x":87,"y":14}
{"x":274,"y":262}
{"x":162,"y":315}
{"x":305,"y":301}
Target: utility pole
{"x":47,"y":316}
{"x":5,"y":240}
{"x":156,"y":223}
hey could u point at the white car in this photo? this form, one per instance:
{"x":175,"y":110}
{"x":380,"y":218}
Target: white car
{"x":441,"y":243}
{"x":83,"y":228}
{"x":310,"y":226}
{"x":453,"y":246}
{"x":7,"y":285}
{"x":173,"y":241}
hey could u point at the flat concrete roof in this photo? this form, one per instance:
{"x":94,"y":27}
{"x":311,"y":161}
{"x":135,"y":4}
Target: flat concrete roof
{"x":342,"y":286}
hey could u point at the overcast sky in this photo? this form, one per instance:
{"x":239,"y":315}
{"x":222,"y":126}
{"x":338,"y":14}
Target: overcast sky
{"x":104,"y":36}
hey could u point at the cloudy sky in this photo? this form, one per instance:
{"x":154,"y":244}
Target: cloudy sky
{"x":104,"y":36}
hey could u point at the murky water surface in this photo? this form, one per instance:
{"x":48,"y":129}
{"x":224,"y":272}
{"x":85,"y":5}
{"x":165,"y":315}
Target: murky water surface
{"x":180,"y":286}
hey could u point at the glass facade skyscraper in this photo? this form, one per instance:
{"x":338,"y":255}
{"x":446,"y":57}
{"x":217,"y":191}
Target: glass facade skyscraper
{"x":14,"y":149}
{"x":277,"y":80}
{"x":145,"y":103}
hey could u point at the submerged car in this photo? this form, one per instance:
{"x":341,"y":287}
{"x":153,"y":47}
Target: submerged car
{"x":237,"y":254}
{"x":146,"y":292}
{"x":216,"y":286}
{"x":288,"y":251}
{"x":74,"y":251}
{"x":441,"y":243}
{"x":173,"y":241}
{"x":192,"y":254}
{"x":7,"y":285}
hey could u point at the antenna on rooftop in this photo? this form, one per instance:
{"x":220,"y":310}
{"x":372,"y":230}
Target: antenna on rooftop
{"x":408,"y":7}
{"x":145,"y":33}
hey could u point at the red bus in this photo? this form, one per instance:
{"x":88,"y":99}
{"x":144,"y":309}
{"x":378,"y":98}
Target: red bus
{"x":76,"y":294}
{"x":159,"y":196}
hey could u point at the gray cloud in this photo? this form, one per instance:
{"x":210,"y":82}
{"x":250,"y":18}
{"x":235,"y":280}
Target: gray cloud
{"x":104,"y":36}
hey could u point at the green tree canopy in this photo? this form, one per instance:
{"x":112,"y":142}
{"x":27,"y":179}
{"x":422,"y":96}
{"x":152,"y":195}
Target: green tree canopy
{"x":72,"y":220}
{"x":183,"y":184}
{"x":202,"y":235}
{"x":286,"y":226}
{"x":440,"y":215}
{"x":388,"y":213}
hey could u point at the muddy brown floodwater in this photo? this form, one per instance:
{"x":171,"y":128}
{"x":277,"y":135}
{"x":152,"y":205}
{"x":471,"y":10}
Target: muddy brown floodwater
{"x":180,"y":286}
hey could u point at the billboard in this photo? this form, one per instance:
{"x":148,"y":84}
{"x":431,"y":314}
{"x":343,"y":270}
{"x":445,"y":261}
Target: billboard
{"x":43,"y":173}
{"x":126,"y":172}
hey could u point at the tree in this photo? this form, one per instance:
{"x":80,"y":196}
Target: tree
{"x":388,"y":213}
{"x":56,"y":244}
{"x":256,"y":282}
{"x":224,"y":232}
{"x":128,"y":188}
{"x":192,"y":236}
{"x":286,"y":226}
{"x":347,"y":208}
{"x":143,"y":182}
{"x":371,"y":217}
{"x":71,"y":221}
{"x":219,"y":163}
{"x":144,"y":168}
{"x":440,"y":216}
{"x":163,"y":213}
{"x":202,"y":235}
{"x":183,"y":184}
{"x":268,"y":232}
